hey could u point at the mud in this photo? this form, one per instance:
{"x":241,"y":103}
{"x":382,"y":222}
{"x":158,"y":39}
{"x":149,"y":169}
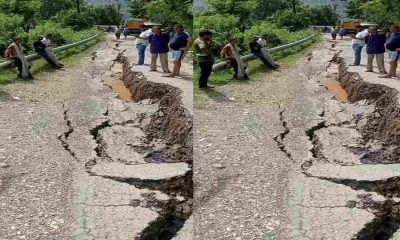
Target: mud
{"x":119,"y":87}
{"x":335,"y":88}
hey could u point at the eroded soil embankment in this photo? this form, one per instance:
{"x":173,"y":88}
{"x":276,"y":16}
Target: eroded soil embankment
{"x":172,"y":122}
{"x":384,"y":123}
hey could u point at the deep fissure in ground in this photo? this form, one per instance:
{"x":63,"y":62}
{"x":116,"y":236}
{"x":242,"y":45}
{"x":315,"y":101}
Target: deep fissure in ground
{"x":280,"y":138}
{"x":381,"y":125}
{"x":172,"y":123}
{"x":63,"y":138}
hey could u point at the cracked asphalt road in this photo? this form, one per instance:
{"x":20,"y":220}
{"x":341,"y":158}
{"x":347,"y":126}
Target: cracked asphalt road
{"x":68,"y":149}
{"x":264,"y":151}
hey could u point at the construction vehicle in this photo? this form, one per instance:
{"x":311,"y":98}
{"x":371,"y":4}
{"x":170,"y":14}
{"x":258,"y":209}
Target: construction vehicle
{"x":135,"y":25}
{"x":350,"y":25}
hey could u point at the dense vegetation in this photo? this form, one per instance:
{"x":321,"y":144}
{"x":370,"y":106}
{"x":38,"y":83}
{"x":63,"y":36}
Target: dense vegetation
{"x":167,"y":12}
{"x":282,"y":21}
{"x":383,"y":12}
{"x":67,"y":20}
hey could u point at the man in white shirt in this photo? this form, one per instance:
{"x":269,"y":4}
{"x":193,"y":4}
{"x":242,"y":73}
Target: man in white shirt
{"x":142,"y":41}
{"x":358,"y":42}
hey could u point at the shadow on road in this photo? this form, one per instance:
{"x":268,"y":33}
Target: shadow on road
{"x":216,"y":95}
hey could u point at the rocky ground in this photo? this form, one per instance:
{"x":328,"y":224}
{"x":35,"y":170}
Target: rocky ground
{"x":280,"y":157}
{"x":76,"y":162}
{"x":277,"y":157}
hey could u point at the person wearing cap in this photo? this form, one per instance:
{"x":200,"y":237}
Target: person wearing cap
{"x":358,"y":43}
{"x":203,"y":47}
{"x":15,"y":54}
{"x":256,"y":49}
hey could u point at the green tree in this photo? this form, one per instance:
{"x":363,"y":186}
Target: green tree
{"x":321,"y":14}
{"x":170,"y":12}
{"x":224,"y":27}
{"x":292,"y":21}
{"x":383,"y":12}
{"x":266,"y":9}
{"x":11,"y":25}
{"x":104,"y":14}
{"x":136,"y":8}
{"x":28,"y":9}
{"x":353,"y":9}
{"x":51,"y":8}
{"x":243,"y":9}
{"x":74,"y":19}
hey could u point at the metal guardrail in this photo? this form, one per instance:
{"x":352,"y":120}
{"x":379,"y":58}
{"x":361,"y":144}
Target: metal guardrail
{"x":249,"y":57}
{"x":35,"y":56}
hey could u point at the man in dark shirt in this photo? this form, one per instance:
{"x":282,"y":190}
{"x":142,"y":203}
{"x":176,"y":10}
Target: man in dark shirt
{"x":180,"y":43}
{"x":40,"y":49}
{"x":255,"y":48}
{"x":393,"y":45}
{"x":159,"y":48}
{"x":375,"y":49}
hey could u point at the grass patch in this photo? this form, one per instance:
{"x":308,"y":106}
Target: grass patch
{"x":71,"y":57}
{"x":255,"y":68}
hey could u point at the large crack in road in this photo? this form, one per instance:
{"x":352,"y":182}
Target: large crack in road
{"x":63,"y":138}
{"x":378,"y":123}
{"x":280,"y":138}
{"x":171,"y":124}
{"x":158,"y":136}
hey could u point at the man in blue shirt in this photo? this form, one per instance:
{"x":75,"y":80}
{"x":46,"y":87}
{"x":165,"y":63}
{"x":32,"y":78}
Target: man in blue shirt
{"x":159,"y":47}
{"x":180,"y":43}
{"x":375,"y":48}
{"x":393,"y":45}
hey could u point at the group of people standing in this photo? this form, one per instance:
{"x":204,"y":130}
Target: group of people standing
{"x":376,"y":46}
{"x":43,"y":47}
{"x":230,"y":54}
{"x":119,"y":31}
{"x":335,"y":31}
{"x":161,"y":43}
